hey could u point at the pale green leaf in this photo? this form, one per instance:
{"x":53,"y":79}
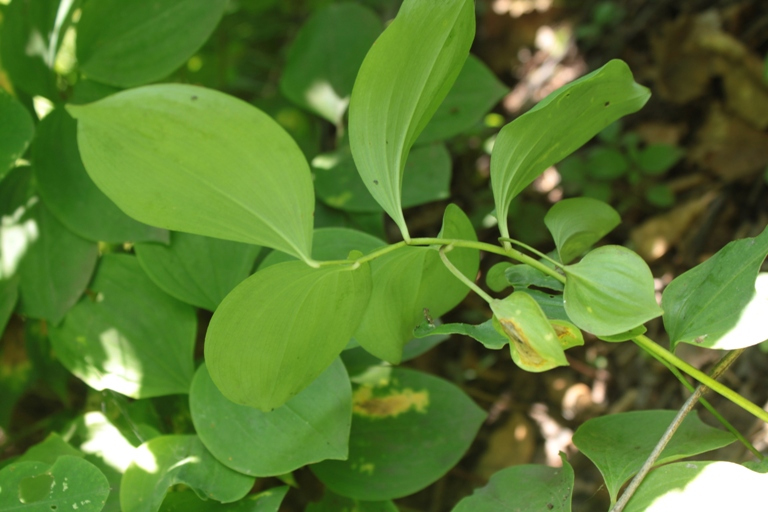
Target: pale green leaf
{"x":576,"y":224}
{"x":184,"y":158}
{"x":557,"y":126}
{"x":281,"y":328}
{"x":49,"y":449}
{"x":401,"y":83}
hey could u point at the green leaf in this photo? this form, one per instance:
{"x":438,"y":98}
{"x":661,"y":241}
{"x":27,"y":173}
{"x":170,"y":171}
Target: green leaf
{"x":410,"y":280}
{"x":70,"y":483}
{"x":619,"y":444}
{"x":496,"y":278}
{"x":524,"y":276}
{"x":534,"y":344}
{"x":400,"y":85}
{"x":704,"y":304}
{"x":310,"y":427}
{"x":474,"y":93}
{"x":55,"y":268}
{"x":551,"y":303}
{"x":604,"y":163}
{"x":169,"y":460}
{"x":49,"y":449}
{"x":568,"y":334}
{"x":127,"y":335}
{"x":196,"y":269}
{"x":323,"y":60}
{"x":624,"y":336}
{"x":70,"y":193}
{"x":9,"y":295}
{"x":658,"y":158}
{"x":331,"y":244}
{"x":701,"y":486}
{"x":334,"y":503}
{"x":132,"y":44}
{"x":408,"y":430}
{"x":281,"y":328}
{"x":16,"y":132}
{"x":183,"y":158}
{"x":576,"y":224}
{"x":485,"y":333}
{"x":525,"y":488}
{"x":186,"y":501}
{"x":660,"y":195}
{"x":557,"y":126}
{"x":427,"y":178}
{"x":610,"y":291}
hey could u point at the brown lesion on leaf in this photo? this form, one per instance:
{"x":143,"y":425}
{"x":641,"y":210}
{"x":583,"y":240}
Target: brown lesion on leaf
{"x":523,"y":346}
{"x":364,"y":403}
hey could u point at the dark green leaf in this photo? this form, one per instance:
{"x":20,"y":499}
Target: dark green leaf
{"x":408,"y":429}
{"x":16,"y":131}
{"x":660,"y":195}
{"x":128,"y":335}
{"x":610,"y":291}
{"x":551,"y":303}
{"x":130,"y":44}
{"x":324,"y":59}
{"x":485,"y":333}
{"x":9,"y":295}
{"x":658,"y":158}
{"x":704,"y":304}
{"x":618,"y":444}
{"x":624,"y":336}
{"x":604,"y":163}
{"x":334,"y":503}
{"x":524,"y":276}
{"x":169,"y":460}
{"x":401,"y":83}
{"x":576,"y":224}
{"x":187,"y":501}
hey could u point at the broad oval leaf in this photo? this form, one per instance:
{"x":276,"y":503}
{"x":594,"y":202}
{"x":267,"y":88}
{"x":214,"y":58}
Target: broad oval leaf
{"x":525,"y":488}
{"x":534,"y":344}
{"x":16,"y":131}
{"x":408,"y":429}
{"x":130,"y":44}
{"x":311,"y":427}
{"x":195,"y":269}
{"x":324,"y":59}
{"x":619,"y":444}
{"x":197,"y":160}
{"x":700,"y":486}
{"x":70,"y":193}
{"x":704,"y":304}
{"x":576,"y":224}
{"x":128,"y":335}
{"x":401,"y":83}
{"x":610,"y":291}
{"x":557,"y":126}
{"x":169,"y":460}
{"x":281,"y":328}
{"x":70,"y":483}
{"x":188,"y":501}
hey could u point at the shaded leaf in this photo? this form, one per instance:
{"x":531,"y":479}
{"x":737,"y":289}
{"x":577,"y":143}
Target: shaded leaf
{"x":187,"y":501}
{"x":9,"y":295}
{"x":624,"y":336}
{"x":16,"y":132}
{"x":576,"y":224}
{"x":333,"y":503}
{"x":658,"y":158}
{"x":193,"y":166}
{"x":605,"y":163}
{"x":525,"y":276}
{"x":400,"y":85}
{"x":485,"y":333}
{"x":496,"y":278}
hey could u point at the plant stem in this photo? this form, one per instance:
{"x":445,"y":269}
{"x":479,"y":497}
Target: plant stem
{"x":651,"y":346}
{"x":534,"y":251}
{"x":721,"y":366}
{"x":461,"y":277}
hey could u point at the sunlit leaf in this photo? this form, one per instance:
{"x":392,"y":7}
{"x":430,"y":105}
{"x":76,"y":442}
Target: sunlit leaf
{"x":619,"y":444}
{"x":169,"y":460}
{"x":568,"y":334}
{"x":557,"y":126}
{"x":16,"y":131}
{"x":705,"y":304}
{"x":129,"y":44}
{"x":576,"y":224}
{"x":188,"y":501}
{"x":281,"y":328}
{"x":49,"y":449}
{"x":324,"y":59}
{"x":183,"y":158}
{"x":330,"y":244}
{"x":408,"y":429}
{"x":610,"y":291}
{"x":401,"y":83}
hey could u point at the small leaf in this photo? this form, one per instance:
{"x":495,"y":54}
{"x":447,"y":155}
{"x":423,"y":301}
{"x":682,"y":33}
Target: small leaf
{"x":197,"y":269}
{"x":704,"y":304}
{"x":576,"y":224}
{"x":310,"y":427}
{"x":128,"y":335}
{"x":496,"y":279}
{"x":658,"y":158}
{"x":557,"y":126}
{"x":133,"y":44}
{"x":524,"y":276}
{"x":323,"y":60}
{"x":485,"y":333}
{"x":534,"y":344}
{"x":660,"y":195}
{"x":529,"y":488}
{"x":400,"y":85}
{"x":169,"y":460}
{"x":421,"y":425}
{"x":619,"y":444}
{"x":604,"y":163}
{"x":610,"y":291}
{"x":183,"y":158}
{"x":70,"y":483}
{"x":700,"y":486}
{"x":16,"y":132}
{"x":568,"y":334}
{"x":281,"y":328}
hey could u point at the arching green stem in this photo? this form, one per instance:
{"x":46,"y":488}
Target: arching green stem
{"x":461,"y":277}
